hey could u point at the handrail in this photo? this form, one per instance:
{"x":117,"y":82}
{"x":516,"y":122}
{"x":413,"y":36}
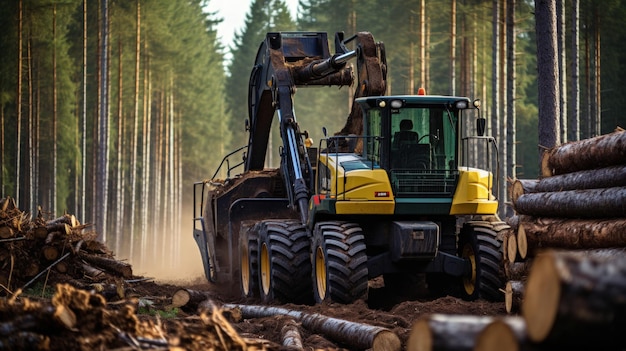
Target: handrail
{"x":225,"y":159}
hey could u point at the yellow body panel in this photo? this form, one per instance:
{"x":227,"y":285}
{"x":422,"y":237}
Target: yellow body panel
{"x":358,"y":191}
{"x":473,"y":193}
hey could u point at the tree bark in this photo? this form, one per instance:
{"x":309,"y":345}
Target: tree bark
{"x":574,"y":116}
{"x":517,"y":270}
{"x":548,"y":74}
{"x":356,"y":335}
{"x":597,"y":152}
{"x":290,"y":335}
{"x":584,"y":203}
{"x":577,"y":298}
{"x":573,"y":234}
{"x":607,"y":177}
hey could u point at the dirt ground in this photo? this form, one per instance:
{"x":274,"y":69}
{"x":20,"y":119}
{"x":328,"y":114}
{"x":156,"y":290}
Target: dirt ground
{"x":382,"y":308}
{"x":144,"y":319}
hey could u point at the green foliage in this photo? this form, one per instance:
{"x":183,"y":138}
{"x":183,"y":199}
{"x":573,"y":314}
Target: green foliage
{"x":40,"y":290}
{"x":147,"y":308}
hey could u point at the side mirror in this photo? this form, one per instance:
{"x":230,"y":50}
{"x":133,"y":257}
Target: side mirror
{"x":481,"y":123}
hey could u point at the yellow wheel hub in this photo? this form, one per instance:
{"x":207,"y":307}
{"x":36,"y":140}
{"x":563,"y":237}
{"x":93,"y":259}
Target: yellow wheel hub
{"x":265,"y":269}
{"x":469,"y":283}
{"x":320,"y":272}
{"x":245,"y":270}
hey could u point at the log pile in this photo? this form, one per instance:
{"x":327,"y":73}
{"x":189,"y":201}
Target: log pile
{"x":576,"y":204}
{"x":567,"y":271}
{"x":35,"y":249}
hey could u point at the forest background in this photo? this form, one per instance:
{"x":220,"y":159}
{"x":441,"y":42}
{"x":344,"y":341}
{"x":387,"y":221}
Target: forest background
{"x":112,"y":109}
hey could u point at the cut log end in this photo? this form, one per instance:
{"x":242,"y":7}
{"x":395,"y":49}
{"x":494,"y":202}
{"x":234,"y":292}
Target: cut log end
{"x":421,"y":337}
{"x":497,"y":336}
{"x":522,"y":242}
{"x":513,"y":295}
{"x":386,"y":341}
{"x":546,"y":170}
{"x":541,"y":299}
{"x":511,"y":248}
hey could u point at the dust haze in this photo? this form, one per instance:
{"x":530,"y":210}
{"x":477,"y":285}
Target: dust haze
{"x":183,"y":266}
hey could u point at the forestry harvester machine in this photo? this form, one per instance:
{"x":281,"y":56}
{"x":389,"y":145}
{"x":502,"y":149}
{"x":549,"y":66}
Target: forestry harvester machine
{"x":390,"y":195}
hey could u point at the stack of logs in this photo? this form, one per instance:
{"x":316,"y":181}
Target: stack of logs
{"x":565,"y":260}
{"x":568,"y":274}
{"x":31,"y":248}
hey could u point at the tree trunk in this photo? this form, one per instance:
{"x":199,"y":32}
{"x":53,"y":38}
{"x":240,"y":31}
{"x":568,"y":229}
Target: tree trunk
{"x":597,"y":152}
{"x":503,"y":114}
{"x":452,"y":47}
{"x":495,"y":75}
{"x":560,"y":28}
{"x":446,"y":332}
{"x":135,"y":136}
{"x":356,"y":335}
{"x":577,"y":298}
{"x":18,"y":103}
{"x":573,"y":234}
{"x":548,"y":74}
{"x":586,"y":203}
{"x":120,"y":185}
{"x":83,"y":129}
{"x":597,"y":116}
{"x":574,"y":116}
{"x":55,"y":117}
{"x":102,"y":167}
{"x":511,"y":158}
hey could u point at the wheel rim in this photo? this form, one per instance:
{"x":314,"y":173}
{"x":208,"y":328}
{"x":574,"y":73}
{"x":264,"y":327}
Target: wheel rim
{"x":265,"y":269}
{"x":469,"y":283}
{"x":245,"y":271}
{"x":320,"y":273}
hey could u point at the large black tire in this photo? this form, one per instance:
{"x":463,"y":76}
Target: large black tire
{"x":480,"y":245}
{"x":339,"y":262}
{"x":249,"y":262}
{"x":284,"y":263}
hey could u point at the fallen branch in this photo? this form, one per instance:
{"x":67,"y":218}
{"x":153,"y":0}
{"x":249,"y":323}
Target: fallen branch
{"x":356,"y":335}
{"x":45,"y":270}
